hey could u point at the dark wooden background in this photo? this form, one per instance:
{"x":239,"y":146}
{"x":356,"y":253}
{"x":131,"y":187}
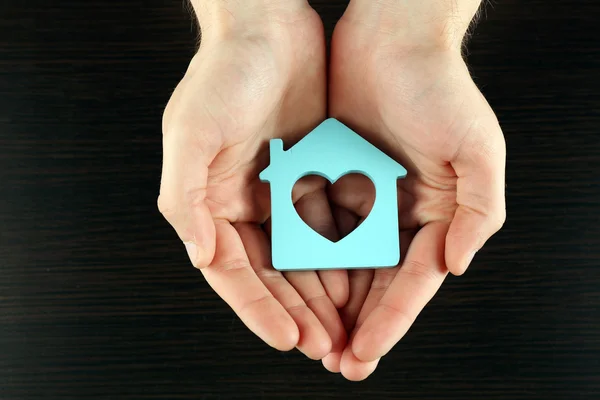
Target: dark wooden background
{"x":98,"y":300}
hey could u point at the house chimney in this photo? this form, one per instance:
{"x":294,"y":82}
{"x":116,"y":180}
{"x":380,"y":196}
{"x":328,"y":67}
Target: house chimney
{"x":276,"y":149}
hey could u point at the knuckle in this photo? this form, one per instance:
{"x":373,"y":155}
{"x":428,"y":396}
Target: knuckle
{"x":177,"y":127}
{"x":418,"y":270}
{"x":483,"y":154}
{"x":383,"y":278}
{"x":166,"y":206}
{"x":316,"y":298}
{"x":167,"y":117}
{"x":297,"y":308}
{"x":486,"y":142}
{"x":399,"y":313}
{"x":267,"y":273}
{"x":259,"y":303}
{"x":496,"y":215}
{"x":175,"y":120}
{"x":234,"y":265}
{"x":501,"y":143}
{"x":499,"y":219}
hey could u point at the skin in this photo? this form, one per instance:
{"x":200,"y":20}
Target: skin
{"x":397,"y":77}
{"x":411,"y":94}
{"x":251,"y":81}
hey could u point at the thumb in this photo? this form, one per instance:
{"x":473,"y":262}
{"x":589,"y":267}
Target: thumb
{"x":480,"y":167}
{"x":187,"y":152}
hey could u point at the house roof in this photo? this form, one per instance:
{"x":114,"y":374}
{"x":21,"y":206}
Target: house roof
{"x":334,"y":140}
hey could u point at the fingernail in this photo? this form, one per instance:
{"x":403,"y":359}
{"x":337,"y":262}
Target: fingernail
{"x":192,"y":251}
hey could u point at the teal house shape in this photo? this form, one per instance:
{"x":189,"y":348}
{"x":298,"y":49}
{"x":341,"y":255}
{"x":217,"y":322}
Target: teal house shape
{"x":332,"y":150}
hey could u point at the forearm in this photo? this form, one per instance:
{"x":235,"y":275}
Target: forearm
{"x":223,"y":16}
{"x":430,"y":22}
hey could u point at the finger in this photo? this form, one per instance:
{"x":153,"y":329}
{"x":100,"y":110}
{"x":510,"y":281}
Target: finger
{"x":332,"y":290}
{"x":309,"y":287}
{"x":314,"y":340}
{"x":356,"y":313}
{"x":378,"y":284}
{"x":415,"y":283}
{"x":314,"y":209}
{"x":346,"y":221}
{"x":355,"y":316}
{"x":480,"y":167}
{"x":354,"y":192}
{"x":354,"y":369}
{"x":232,"y":277}
{"x":335,"y":283}
{"x":351,"y":367}
{"x":332,"y":361}
{"x":360,"y":283}
{"x":379,"y":281}
{"x":188,"y":149}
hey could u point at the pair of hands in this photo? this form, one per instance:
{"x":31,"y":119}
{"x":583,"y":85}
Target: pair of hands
{"x":262,"y":74}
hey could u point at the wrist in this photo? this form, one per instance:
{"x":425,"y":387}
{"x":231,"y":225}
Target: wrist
{"x":416,"y":23}
{"x":227,"y":17}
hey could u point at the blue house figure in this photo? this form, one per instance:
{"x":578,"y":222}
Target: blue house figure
{"x":332,"y":150}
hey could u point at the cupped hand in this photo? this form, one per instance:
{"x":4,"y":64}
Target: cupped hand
{"x":418,"y":103}
{"x":250,"y":82}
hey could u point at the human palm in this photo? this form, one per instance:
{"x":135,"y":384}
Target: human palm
{"x":239,"y":91}
{"x":420,"y":105}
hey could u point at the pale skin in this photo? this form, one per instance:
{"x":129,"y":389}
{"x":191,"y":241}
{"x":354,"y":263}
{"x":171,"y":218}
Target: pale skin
{"x":397,"y":77}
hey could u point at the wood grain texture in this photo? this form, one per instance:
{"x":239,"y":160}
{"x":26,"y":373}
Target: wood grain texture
{"x":98,"y":300}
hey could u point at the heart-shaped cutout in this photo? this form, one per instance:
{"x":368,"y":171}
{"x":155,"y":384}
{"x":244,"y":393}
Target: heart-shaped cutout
{"x":334,"y":209}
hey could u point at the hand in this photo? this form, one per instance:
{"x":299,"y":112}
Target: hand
{"x":413,"y":98}
{"x":259,"y":74}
